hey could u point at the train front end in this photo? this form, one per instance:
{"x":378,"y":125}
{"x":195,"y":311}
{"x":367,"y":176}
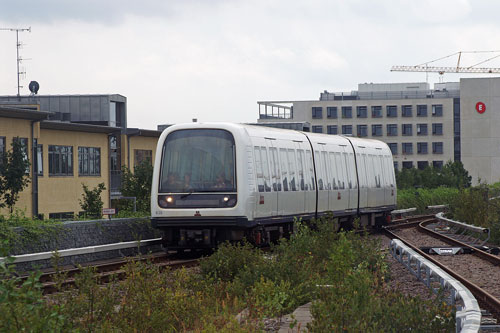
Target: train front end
{"x":194,"y":197}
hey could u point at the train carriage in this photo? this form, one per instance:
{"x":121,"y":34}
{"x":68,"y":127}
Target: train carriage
{"x":220,"y":181}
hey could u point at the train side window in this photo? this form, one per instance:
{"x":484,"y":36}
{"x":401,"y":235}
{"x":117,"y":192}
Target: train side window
{"x":352,"y":167}
{"x":348,"y":170}
{"x":284,"y":168}
{"x":340,"y":170}
{"x":319,"y":169}
{"x":291,"y":169}
{"x":258,"y":168}
{"x":300,"y":168}
{"x":333,"y":171}
{"x":310,"y":171}
{"x":265,"y":169}
{"x":326,"y":168}
{"x":276,"y":170}
{"x":363,"y":167}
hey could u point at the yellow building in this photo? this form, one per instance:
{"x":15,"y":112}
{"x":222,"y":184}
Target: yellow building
{"x":67,"y":155}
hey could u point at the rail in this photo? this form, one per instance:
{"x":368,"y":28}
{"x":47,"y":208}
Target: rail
{"x":83,"y":250}
{"x":468,"y":316}
{"x":464,"y":226}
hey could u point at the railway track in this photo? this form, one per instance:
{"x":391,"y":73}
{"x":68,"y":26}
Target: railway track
{"x":477,"y":270}
{"x":106,"y":271}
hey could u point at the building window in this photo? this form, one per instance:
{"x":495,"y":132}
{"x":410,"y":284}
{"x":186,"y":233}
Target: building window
{"x":407,"y":165}
{"x":2,"y":145}
{"x":331,"y":112}
{"x":361,"y":111}
{"x":406,"y":110}
{"x":437,"y":164}
{"x":24,"y":149}
{"x":421,"y":147}
{"x":395,"y":166}
{"x":376,"y":130}
{"x":61,"y":216}
{"x":331,"y":129}
{"x":376,"y":111}
{"x":60,"y":161}
{"x":392,"y":129}
{"x":407,"y":148}
{"x":421,"y":110}
{"x":347,"y":112}
{"x":392,"y":111}
{"x":406,"y":129}
{"x":393,"y":147}
{"x":89,"y":161}
{"x":437,"y":147}
{"x":347,"y":129}
{"x":141,"y":155}
{"x":317,"y":129}
{"x":437,"y":129}
{"x":437,"y":110}
{"x":421,"y":165}
{"x":39,"y":160}
{"x":362,"y":130}
{"x":421,"y":129}
{"x":317,"y":112}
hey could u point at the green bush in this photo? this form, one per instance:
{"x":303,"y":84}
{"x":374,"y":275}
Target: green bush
{"x":421,"y":198}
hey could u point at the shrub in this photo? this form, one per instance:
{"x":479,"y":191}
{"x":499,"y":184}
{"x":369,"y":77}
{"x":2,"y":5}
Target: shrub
{"x":91,"y":202}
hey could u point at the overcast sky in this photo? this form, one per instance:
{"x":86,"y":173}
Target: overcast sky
{"x":214,"y":59}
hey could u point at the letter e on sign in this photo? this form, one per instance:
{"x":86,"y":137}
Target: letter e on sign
{"x":480,"y":107}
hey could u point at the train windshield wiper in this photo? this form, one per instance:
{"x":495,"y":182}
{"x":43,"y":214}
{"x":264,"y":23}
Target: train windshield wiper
{"x":184,"y":196}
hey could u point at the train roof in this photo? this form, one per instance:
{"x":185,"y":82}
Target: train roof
{"x":284,"y":134}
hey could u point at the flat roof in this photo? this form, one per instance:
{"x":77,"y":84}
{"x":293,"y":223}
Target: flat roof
{"x":66,"y":126}
{"x":143,"y":132}
{"x":20,"y":113}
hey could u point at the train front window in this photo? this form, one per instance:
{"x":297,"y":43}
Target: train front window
{"x":198,"y":160}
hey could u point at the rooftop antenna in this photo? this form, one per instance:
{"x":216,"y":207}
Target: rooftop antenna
{"x":19,"y":59}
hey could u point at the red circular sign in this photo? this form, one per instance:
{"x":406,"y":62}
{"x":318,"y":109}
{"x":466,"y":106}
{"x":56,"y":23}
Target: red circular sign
{"x":480,"y":107}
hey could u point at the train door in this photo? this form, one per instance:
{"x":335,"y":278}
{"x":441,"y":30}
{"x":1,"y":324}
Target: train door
{"x":371,"y":180}
{"x":310,"y":184}
{"x":363,"y":187}
{"x":320,"y":175}
{"x":266,"y":198}
{"x":275,"y":175}
{"x":334,"y":176}
{"x":353,"y":181}
{"x":301,"y":178}
{"x":348,"y":173}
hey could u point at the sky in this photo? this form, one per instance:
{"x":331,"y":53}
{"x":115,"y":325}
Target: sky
{"x":214,"y":59}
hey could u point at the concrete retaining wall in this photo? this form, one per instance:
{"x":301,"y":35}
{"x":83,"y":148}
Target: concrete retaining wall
{"x":75,"y":234}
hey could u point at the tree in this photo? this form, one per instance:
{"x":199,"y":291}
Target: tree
{"x":138,"y":184}
{"x":92,"y":203}
{"x":14,"y":174}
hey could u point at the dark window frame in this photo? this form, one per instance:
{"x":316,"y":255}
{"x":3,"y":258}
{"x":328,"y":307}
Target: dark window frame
{"x":362,"y":131}
{"x":315,"y":128}
{"x":362,"y":111}
{"x":375,"y":130}
{"x":393,"y":147}
{"x":422,"y":129}
{"x":435,"y":127}
{"x":420,"y":148}
{"x":404,"y":129}
{"x":317,"y":112}
{"x":437,"y":110}
{"x":392,"y":129}
{"x":406,"y":111}
{"x":329,"y":129}
{"x":376,"y":111}
{"x":89,"y":161}
{"x":347,"y":112}
{"x":422,"y":110}
{"x":59,"y":156}
{"x":436,"y":150}
{"x":344,"y":127}
{"x":141,"y":155}
{"x":331,"y":112}
{"x":407,"y":148}
{"x":392,"y":111}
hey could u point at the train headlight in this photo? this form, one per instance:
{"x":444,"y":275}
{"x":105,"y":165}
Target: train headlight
{"x":226,"y":199}
{"x":165,"y":201}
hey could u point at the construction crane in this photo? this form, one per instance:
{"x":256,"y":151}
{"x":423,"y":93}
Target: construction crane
{"x":441,"y":70}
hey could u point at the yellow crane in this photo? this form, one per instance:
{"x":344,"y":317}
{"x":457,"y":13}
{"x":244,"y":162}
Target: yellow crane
{"x":457,"y":69}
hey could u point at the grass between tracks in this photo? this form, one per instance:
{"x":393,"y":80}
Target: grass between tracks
{"x":234,"y":278}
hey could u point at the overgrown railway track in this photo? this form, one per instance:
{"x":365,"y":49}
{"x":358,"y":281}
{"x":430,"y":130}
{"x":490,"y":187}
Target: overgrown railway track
{"x":479,"y":271}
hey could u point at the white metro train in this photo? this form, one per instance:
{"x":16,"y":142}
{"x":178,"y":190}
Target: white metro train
{"x":221,"y":181}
